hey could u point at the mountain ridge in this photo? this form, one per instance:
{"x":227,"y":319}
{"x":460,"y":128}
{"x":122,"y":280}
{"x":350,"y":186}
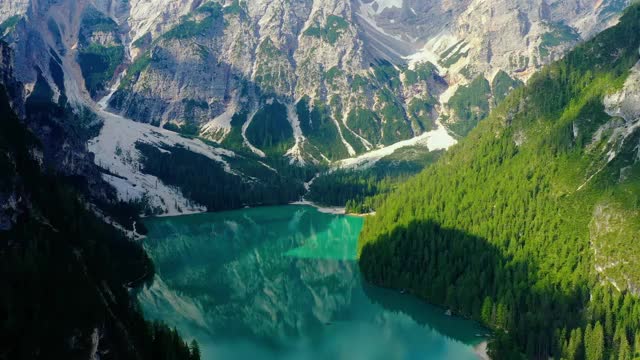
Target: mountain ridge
{"x":279,"y":82}
{"x":318,"y":51}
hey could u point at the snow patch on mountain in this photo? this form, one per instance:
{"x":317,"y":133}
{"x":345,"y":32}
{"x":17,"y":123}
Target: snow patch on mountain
{"x":218,"y":128}
{"x":364,"y":141}
{"x":295,"y":154}
{"x":438,"y":139}
{"x":344,"y":141}
{"x":115,"y":151}
{"x":423,"y":56}
{"x":246,"y":141}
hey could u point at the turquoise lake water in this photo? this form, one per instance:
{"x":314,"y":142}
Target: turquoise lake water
{"x":283,"y":283}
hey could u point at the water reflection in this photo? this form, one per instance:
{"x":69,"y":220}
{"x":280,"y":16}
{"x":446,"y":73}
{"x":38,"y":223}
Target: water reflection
{"x":282,"y":282}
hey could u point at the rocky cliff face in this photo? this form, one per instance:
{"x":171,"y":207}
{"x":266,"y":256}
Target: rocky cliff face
{"x":613,"y":225}
{"x":64,"y":55}
{"x":484,"y":36}
{"x":350,"y":76}
{"x":38,"y":70}
{"x":11,"y":8}
{"x":307,"y":57}
{"x":311,"y":81}
{"x":487,"y":39}
{"x":349,"y":57}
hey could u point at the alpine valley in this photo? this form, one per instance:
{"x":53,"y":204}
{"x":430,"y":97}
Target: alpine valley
{"x":493,"y":144}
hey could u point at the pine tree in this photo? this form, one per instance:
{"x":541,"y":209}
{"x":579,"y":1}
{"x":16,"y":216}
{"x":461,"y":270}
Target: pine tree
{"x":574,"y":347}
{"x":594,"y":342}
{"x":195,"y":350}
{"x":588,"y":341}
{"x":624,"y":350}
{"x":487,"y":310}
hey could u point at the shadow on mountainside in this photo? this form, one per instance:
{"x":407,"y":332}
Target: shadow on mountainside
{"x":470,"y":276}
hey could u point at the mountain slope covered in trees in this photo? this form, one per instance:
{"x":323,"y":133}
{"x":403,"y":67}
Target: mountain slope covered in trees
{"x":64,"y":272}
{"x":530,"y":224}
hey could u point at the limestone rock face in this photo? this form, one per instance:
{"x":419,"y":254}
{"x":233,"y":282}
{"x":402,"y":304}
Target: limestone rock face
{"x":9,"y":8}
{"x":486,"y":36}
{"x":351,"y":75}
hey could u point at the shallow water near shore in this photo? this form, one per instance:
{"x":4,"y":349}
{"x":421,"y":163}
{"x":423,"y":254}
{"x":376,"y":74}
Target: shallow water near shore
{"x":283,"y":283}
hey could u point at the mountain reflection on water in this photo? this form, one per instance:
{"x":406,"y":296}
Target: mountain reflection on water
{"x":283,"y":283}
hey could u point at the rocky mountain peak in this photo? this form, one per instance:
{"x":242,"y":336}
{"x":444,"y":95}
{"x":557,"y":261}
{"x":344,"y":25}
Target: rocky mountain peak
{"x":312,"y":81}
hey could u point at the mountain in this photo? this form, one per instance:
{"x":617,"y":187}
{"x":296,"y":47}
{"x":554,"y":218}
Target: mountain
{"x":68,"y":259}
{"x":117,"y":108}
{"x":341,"y":59}
{"x":262,"y":85}
{"x":66,"y":272}
{"x":529,"y":223}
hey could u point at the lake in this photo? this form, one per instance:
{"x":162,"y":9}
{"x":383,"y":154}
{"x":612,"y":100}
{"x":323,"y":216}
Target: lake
{"x":283,"y":283}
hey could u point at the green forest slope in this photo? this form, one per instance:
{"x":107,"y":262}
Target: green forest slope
{"x":64,"y":273}
{"x":531,"y":222}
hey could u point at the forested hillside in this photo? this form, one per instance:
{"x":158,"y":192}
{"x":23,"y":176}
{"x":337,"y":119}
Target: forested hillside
{"x":208,"y":183}
{"x":530,"y":224}
{"x":361,"y":191}
{"x":65,"y":274}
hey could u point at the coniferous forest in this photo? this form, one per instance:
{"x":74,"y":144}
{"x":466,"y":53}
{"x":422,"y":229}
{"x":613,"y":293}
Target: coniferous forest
{"x":61,"y":252}
{"x":208,"y":183}
{"x":361,"y":191}
{"x":529,"y":226}
{"x":507,"y":228}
